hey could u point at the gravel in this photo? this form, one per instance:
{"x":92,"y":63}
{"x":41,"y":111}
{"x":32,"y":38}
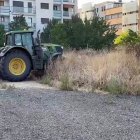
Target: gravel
{"x":42,"y":114}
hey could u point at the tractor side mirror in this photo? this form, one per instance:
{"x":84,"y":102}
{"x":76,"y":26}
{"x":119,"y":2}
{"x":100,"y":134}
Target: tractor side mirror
{"x":4,"y":44}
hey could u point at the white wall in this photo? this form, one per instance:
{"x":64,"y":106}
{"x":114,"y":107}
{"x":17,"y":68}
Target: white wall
{"x":43,"y":13}
{"x":130,"y":18}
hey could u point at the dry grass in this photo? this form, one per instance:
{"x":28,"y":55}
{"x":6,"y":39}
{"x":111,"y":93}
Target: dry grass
{"x":116,"y":72}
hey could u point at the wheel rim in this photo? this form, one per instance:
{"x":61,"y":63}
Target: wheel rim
{"x":17,"y":66}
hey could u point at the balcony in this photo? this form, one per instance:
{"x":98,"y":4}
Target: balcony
{"x":57,"y":14}
{"x":69,"y":1}
{"x":65,"y":1}
{"x":57,"y":1}
{"x":67,"y":14}
{"x":5,"y":10}
{"x":23,"y":10}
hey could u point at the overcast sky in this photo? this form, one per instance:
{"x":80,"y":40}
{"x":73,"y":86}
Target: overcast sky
{"x":80,"y":2}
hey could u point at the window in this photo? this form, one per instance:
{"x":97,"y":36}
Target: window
{"x":103,"y":8}
{"x":18,"y":39}
{"x":1,"y":3}
{"x":114,"y":16}
{"x":44,"y":20}
{"x":2,"y":19}
{"x":108,"y":17}
{"x":8,"y":40}
{"x":27,"y":40}
{"x":55,"y":8}
{"x":97,"y":10}
{"x":30,"y":21}
{"x":18,"y":4}
{"x":44,"y":5}
{"x":29,"y":7}
{"x":24,"y":39}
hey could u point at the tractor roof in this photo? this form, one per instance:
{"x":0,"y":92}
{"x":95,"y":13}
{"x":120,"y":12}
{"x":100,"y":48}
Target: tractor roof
{"x":20,"y":31}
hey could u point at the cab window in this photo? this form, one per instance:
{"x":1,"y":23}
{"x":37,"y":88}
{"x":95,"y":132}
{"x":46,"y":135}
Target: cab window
{"x":27,"y":39}
{"x":18,"y":40}
{"x":9,"y":40}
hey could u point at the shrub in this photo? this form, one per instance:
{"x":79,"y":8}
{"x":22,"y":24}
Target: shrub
{"x":115,"y":86}
{"x":47,"y":80}
{"x":130,"y":40}
{"x":65,"y":83}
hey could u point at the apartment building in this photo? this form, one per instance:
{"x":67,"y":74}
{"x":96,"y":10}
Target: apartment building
{"x":87,"y":11}
{"x":130,"y":16}
{"x":138,"y":15}
{"x":114,"y":15}
{"x":100,"y":9}
{"x":37,"y":12}
{"x":4,"y":13}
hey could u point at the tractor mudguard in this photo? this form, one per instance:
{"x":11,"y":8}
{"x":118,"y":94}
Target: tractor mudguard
{"x":55,"y":56}
{"x":7,"y":49}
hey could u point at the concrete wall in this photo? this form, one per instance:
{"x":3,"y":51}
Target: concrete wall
{"x":43,"y":13}
{"x":130,"y":16}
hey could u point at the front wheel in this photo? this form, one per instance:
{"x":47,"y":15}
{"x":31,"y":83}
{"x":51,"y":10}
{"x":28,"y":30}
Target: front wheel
{"x":15,"y":66}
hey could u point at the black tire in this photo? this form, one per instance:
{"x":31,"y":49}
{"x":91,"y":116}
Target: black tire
{"x":5,"y":61}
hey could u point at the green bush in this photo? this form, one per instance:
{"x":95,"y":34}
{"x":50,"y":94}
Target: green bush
{"x":114,"y":86}
{"x":47,"y":80}
{"x":66,"y":83}
{"x":128,"y":38}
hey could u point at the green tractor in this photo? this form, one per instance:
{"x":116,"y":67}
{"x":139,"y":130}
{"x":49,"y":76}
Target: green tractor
{"x":22,"y":53}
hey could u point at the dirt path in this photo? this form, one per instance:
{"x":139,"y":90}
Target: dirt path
{"x":27,"y":85}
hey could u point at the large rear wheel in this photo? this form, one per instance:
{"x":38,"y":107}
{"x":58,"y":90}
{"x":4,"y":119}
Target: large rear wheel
{"x":15,"y":66}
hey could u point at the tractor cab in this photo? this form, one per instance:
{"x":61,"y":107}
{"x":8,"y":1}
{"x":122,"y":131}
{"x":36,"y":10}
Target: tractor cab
{"x":21,"y":54}
{"x":22,"y":39}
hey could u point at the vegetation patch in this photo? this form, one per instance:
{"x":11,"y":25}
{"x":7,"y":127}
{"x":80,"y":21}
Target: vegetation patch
{"x":117,"y":72}
{"x":66,"y":83}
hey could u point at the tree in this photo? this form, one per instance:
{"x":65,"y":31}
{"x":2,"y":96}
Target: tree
{"x":46,"y":36}
{"x":59,"y":34}
{"x":19,"y":23}
{"x":100,"y":34}
{"x":75,"y":33}
{"x":2,"y":32}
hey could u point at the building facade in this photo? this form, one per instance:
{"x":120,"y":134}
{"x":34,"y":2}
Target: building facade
{"x":130,"y":16}
{"x":87,"y":11}
{"x":37,"y":12}
{"x":114,"y":16}
{"x":138,"y":2}
{"x":110,"y":11}
{"x":100,"y":9}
